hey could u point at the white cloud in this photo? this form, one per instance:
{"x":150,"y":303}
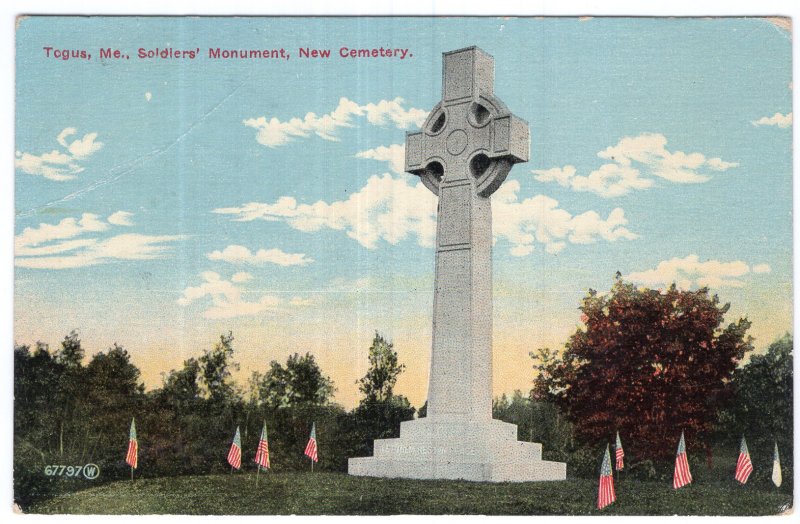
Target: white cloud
{"x":79,"y":148}
{"x":388,"y":112}
{"x":539,"y":219}
{"x":394,"y":154}
{"x":300,"y":301}
{"x":54,"y":246}
{"x":274,"y":132}
{"x":392,"y":210}
{"x":717,"y":164}
{"x":235,"y":254}
{"x":690,"y":272}
{"x":778,"y":119}
{"x":762,"y":268}
{"x":635,"y":160}
{"x":241,"y":276}
{"x":53,"y":166}
{"x":227,"y":298}
{"x":148,"y":96}
{"x":384,"y":209}
{"x":121,"y":218}
{"x":650,"y":150}
{"x":91,"y":252}
{"x":53,"y":249}
{"x":67,"y":228}
{"x":60,"y":165}
{"x":610,"y":180}
{"x":562,"y":175}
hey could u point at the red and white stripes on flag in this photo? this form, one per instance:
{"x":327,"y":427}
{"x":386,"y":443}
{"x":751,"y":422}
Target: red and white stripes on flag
{"x":311,"y":447}
{"x":235,"y":453}
{"x":620,"y":453}
{"x":682,"y":475}
{"x":262,"y":453}
{"x":743,"y":466}
{"x":132,"y":457}
{"x":605,"y":493}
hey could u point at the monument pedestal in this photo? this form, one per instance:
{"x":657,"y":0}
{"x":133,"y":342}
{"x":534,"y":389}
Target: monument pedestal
{"x":457,"y":449}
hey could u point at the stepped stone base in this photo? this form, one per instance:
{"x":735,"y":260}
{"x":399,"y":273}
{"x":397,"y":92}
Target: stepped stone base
{"x":455,"y":449}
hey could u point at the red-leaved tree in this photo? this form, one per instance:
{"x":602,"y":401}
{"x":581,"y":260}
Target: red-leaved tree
{"x":649,"y":364}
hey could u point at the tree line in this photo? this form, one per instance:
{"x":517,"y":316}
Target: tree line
{"x":70,"y":413}
{"x":646,"y":363}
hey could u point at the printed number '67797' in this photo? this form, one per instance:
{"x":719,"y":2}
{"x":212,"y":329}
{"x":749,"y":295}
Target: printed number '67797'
{"x":89,"y":471}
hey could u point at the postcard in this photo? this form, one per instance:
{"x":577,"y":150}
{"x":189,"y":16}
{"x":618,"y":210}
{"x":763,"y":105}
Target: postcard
{"x":403,"y":265}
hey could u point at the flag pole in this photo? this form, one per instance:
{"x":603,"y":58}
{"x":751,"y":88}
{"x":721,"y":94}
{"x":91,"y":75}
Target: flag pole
{"x":258,"y":470}
{"x":616,"y":469}
{"x":312,"y":465}
{"x":131,"y":472}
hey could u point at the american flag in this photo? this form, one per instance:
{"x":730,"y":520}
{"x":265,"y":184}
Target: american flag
{"x":132,"y":457}
{"x":777,"y":478}
{"x":311,"y":447}
{"x":262,"y":453}
{"x":682,"y":474}
{"x":620,"y":453}
{"x":743,"y":466}
{"x":605,"y":493}
{"x":235,"y":453}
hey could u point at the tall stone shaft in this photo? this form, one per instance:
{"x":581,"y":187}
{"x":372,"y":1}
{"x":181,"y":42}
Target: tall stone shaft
{"x":463,"y":153}
{"x":460,"y":380}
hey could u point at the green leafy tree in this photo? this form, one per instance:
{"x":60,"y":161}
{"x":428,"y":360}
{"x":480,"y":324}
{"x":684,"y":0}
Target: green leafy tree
{"x":536,"y":421}
{"x":182,"y":389}
{"x":380,"y":411}
{"x":177,"y":423}
{"x":216,"y":366}
{"x":71,"y":353}
{"x":290,"y":398}
{"x":762,"y":405}
{"x":70,"y":395}
{"x":378,"y":384}
{"x":648,"y":364}
{"x":36,"y":420}
{"x":301,"y":384}
{"x":113,"y":394}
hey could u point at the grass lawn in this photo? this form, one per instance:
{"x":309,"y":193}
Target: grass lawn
{"x":340,"y":494}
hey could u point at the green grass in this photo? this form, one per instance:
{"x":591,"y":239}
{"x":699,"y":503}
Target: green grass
{"x":340,"y":494}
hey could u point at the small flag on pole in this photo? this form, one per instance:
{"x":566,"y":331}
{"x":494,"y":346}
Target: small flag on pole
{"x":262,"y":453}
{"x":777,"y":478}
{"x":620,"y":453}
{"x":132,"y":457}
{"x":743,"y":466}
{"x":311,"y":447}
{"x":605,"y":493}
{"x":235,"y":453}
{"x":682,"y":474}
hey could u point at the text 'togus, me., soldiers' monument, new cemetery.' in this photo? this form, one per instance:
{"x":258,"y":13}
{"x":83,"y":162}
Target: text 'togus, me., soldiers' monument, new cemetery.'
{"x":466,"y":148}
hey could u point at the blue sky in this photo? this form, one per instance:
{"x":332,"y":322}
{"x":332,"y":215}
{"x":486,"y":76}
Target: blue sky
{"x":660,"y":148}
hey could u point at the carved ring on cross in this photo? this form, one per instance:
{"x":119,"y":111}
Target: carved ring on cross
{"x":479,"y":139}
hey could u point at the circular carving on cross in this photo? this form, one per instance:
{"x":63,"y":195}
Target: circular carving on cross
{"x":457,"y":142}
{"x":470,"y":134}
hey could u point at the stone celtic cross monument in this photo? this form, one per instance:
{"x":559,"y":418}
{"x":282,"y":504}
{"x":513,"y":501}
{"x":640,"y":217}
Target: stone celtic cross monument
{"x":463,"y":154}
